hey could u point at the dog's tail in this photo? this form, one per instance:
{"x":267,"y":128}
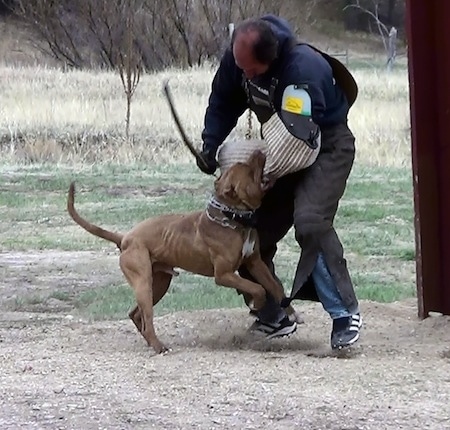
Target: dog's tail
{"x":91,"y":228}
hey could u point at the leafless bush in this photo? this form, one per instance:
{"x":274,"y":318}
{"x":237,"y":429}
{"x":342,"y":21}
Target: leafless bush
{"x":53,"y":23}
{"x":135,"y":35}
{"x":88,"y":33}
{"x":388,"y":36}
{"x":362,"y":15}
{"x":129,"y":61}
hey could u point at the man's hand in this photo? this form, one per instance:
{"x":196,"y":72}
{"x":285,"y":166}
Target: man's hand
{"x":209,"y":156}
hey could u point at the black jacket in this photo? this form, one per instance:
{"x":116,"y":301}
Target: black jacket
{"x":296,"y":64}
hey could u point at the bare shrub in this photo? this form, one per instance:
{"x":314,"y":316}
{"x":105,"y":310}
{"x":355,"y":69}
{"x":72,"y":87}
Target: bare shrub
{"x":54,"y":23}
{"x":182,"y":33}
{"x":387,"y":36}
{"x":129,"y":62}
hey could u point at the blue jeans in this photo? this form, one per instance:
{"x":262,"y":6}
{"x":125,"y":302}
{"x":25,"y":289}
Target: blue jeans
{"x":326,"y":290}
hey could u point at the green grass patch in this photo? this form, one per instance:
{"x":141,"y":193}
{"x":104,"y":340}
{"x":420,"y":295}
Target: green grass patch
{"x":112,"y":302}
{"x":64,"y":296}
{"x":117,"y":197}
{"x":370,"y":288}
{"x":190,"y":292}
{"x":374,"y":221}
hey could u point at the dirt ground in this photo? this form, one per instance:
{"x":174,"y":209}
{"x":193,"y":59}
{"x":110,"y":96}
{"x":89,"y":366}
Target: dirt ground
{"x":61,"y":371}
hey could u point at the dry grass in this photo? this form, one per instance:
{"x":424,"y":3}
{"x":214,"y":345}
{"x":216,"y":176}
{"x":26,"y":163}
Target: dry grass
{"x":53,"y":115}
{"x":380,"y":118}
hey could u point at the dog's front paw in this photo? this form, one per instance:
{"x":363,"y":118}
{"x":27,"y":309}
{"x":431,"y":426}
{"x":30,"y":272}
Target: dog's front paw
{"x":294,"y":315}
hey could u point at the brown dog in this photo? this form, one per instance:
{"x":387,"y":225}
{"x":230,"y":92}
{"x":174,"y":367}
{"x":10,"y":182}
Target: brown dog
{"x":214,"y":242}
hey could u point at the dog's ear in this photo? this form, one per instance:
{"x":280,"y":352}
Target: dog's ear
{"x":257,"y":162}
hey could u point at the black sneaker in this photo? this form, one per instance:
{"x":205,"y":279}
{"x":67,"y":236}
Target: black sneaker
{"x":345,"y":331}
{"x":283,"y":328}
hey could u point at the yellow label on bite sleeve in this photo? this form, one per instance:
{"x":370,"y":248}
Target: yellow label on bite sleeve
{"x":293,"y":104}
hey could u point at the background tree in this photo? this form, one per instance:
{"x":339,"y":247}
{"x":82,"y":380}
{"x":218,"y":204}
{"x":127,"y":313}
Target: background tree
{"x":182,"y":33}
{"x":129,"y":62}
{"x":6,"y":7}
{"x":388,"y":36}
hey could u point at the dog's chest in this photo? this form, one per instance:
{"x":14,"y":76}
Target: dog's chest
{"x":249,"y":245}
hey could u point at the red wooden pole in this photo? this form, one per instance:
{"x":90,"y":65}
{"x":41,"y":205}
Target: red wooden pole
{"x":428,"y":29}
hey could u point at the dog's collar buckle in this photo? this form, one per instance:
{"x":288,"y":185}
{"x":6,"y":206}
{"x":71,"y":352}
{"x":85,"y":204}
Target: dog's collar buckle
{"x":231,"y":217}
{"x":246,"y":219}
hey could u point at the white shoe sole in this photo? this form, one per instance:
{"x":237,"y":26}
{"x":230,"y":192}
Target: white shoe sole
{"x":285,"y":331}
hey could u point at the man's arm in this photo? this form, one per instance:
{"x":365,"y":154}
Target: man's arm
{"x":309,"y":68}
{"x":227,"y":102}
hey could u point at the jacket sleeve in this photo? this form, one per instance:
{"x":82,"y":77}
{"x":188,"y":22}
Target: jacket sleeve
{"x":227,"y":102}
{"x":311,"y":69}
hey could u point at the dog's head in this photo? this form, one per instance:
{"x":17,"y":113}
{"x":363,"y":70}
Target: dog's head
{"x":241,"y":185}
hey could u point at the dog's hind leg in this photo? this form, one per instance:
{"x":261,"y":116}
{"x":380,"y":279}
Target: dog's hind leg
{"x":137,"y":268}
{"x":136,"y":316}
{"x":161,"y":283}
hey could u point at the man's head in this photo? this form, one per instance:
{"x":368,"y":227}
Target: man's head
{"x":255,"y":47}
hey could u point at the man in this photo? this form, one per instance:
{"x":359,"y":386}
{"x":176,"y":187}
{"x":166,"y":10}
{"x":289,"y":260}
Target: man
{"x":263,"y":65}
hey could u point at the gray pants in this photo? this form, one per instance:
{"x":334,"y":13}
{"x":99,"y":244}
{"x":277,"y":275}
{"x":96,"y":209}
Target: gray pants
{"x":308,"y":200}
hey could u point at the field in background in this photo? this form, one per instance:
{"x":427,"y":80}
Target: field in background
{"x":79,"y":116}
{"x":375,"y":222}
{"x":62,"y":369}
{"x":57,"y":125}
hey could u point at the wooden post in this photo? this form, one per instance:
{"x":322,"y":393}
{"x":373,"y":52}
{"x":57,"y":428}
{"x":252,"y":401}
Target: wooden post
{"x":230,"y":29}
{"x":392,"y":48}
{"x":429,"y":77}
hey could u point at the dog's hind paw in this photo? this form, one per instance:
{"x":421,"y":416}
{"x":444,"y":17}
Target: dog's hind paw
{"x":161,"y":349}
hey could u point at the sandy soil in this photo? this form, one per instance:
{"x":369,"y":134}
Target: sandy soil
{"x":61,"y":371}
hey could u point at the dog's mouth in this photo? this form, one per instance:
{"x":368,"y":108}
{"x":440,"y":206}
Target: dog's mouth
{"x":253,"y":198}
